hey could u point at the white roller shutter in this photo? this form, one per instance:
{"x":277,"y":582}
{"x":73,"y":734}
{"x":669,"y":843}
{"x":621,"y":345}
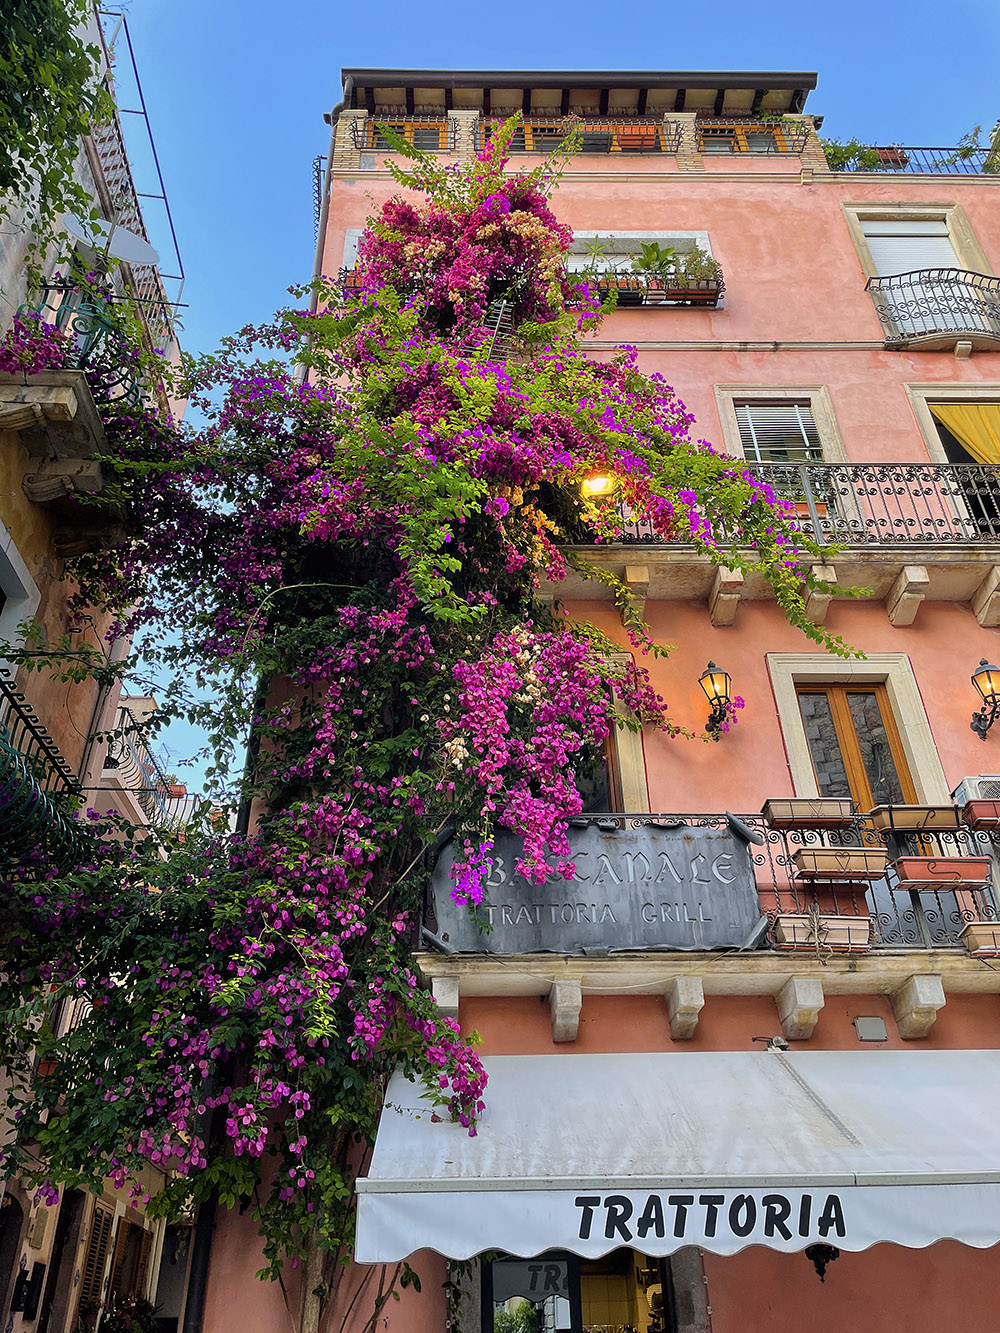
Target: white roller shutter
{"x":902,"y":246}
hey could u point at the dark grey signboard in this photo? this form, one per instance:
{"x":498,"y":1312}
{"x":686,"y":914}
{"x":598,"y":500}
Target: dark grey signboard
{"x":683,"y":887}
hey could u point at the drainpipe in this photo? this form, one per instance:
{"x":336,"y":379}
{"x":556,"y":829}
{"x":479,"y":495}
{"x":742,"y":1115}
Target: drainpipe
{"x":333,"y":116}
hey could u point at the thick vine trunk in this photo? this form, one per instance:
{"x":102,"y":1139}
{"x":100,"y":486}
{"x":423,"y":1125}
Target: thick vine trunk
{"x":312,"y":1277}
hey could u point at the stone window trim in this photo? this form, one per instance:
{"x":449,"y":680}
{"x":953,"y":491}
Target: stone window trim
{"x":22,"y":594}
{"x":970,"y":253}
{"x":817,"y":395}
{"x":922,"y":395}
{"x":893,"y":670}
{"x":631,"y":758}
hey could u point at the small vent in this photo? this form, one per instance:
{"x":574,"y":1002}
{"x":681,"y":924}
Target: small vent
{"x":985,"y":787}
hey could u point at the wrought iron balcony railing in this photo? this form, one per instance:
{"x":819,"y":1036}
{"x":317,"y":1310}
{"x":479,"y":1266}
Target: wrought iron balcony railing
{"x":96,"y":341}
{"x":750,"y":135}
{"x":630,"y":135}
{"x":431,"y":134}
{"x":37,"y":785}
{"x":711,"y":881}
{"x":936,"y":302}
{"x":877,"y":504}
{"x":926,"y":161}
{"x":164,"y":803}
{"x":639,"y":289}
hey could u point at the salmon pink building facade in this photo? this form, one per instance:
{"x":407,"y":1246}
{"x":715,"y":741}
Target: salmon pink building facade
{"x":744,"y":1068}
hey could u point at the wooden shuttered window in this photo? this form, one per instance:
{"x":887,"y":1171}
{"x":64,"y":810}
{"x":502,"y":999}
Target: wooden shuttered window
{"x":97,"y":1252}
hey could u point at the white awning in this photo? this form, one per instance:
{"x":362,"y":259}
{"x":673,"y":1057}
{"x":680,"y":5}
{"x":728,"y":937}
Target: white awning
{"x":725,"y":1149}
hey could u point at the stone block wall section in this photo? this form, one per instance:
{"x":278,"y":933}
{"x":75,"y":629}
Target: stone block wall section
{"x":346,"y":154}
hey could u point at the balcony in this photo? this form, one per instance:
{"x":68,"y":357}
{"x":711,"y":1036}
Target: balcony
{"x":136,"y":781}
{"x":428,"y":134}
{"x":938,"y":308}
{"x":750,"y":134}
{"x":96,"y":341}
{"x":636,"y":289}
{"x":964,"y":161}
{"x":717,"y":882}
{"x":631,"y":135}
{"x":878,"y":504}
{"x":38,"y":788}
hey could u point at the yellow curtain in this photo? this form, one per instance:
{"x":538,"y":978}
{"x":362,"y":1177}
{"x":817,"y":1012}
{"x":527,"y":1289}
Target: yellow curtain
{"x":976,"y":426}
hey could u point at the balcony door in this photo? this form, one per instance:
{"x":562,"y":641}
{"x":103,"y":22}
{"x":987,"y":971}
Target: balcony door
{"x":970,"y":437}
{"x":930,"y":293}
{"x":854,"y":744}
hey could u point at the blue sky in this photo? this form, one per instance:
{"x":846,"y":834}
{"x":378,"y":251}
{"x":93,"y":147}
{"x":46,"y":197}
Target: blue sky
{"x":236,"y":91}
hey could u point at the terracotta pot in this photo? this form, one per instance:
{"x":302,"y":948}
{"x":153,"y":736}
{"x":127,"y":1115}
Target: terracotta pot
{"x":47,"y":1067}
{"x":982,"y":814}
{"x":942,"y":872}
{"x":892,"y":157}
{"x":841,"y":863}
{"x":802,"y":508}
{"x":634,"y":139}
{"x":801,"y":812}
{"x":981,"y":937}
{"x":843,"y":934}
{"x":915,"y":817}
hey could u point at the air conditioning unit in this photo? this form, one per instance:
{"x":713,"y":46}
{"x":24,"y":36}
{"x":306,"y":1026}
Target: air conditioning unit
{"x":984,"y":787}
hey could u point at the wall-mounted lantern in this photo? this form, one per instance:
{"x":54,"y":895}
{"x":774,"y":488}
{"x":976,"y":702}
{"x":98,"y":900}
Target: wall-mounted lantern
{"x":986,"y":679}
{"x":598,"y":486}
{"x":717,"y":686}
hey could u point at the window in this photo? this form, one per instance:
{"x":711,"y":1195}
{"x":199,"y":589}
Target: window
{"x":902,"y":245}
{"x":916,"y":754}
{"x":430,"y":136}
{"x":19,"y":593}
{"x":961,"y":427}
{"x":623,"y":1292}
{"x":750,"y":136}
{"x":92,"y":1281}
{"x":778,"y":431}
{"x":854,"y":745}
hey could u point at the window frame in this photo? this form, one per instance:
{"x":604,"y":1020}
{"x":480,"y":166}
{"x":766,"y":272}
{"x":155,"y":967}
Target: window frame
{"x":970,"y":254}
{"x":848,"y":740}
{"x":894,"y":671}
{"x":921,"y":395}
{"x":22,"y":594}
{"x":820,"y":404}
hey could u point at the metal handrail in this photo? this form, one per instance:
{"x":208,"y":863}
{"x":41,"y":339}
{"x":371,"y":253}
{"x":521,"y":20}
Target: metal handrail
{"x":934,"y":301}
{"x":628,"y":135}
{"x":95,"y":341}
{"x":930,"y":161}
{"x":871,"y":504}
{"x":899,"y":916}
{"x":37,"y":784}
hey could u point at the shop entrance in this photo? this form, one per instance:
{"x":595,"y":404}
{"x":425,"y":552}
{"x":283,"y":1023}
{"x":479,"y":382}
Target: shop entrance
{"x":623,"y":1292}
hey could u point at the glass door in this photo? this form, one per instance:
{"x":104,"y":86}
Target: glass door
{"x":856,"y":753}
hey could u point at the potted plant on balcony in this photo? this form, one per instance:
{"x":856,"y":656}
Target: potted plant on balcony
{"x":981,"y":815}
{"x":941,"y":872}
{"x":890,"y":818}
{"x":806,"y":812}
{"x":893,"y":157}
{"x":637,"y":138}
{"x":823,"y":932}
{"x":845,"y":864}
{"x":697,"y":277}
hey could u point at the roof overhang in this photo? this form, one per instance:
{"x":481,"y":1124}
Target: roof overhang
{"x":550,"y":92}
{"x":588,"y":1153}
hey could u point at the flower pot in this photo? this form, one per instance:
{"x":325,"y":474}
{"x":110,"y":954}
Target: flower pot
{"x":942,"y":872}
{"x":638,"y":140}
{"x":841,"y":863}
{"x":843,"y":934}
{"x":981,"y":814}
{"x":806,"y":813}
{"x":892,"y":157}
{"x":981,"y":937}
{"x":890,"y":817}
{"x":47,"y":1068}
{"x":803,"y":511}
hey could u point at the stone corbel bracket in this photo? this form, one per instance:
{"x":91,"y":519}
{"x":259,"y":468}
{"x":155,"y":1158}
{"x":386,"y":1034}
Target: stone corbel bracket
{"x":53,"y":412}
